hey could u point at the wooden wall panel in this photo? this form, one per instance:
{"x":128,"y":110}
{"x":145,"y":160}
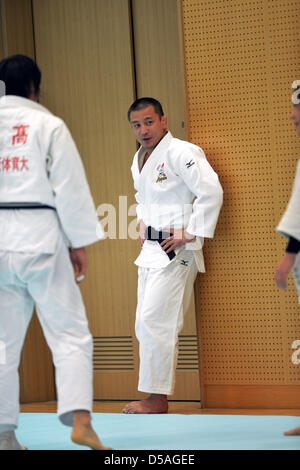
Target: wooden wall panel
{"x":1,"y":34}
{"x":240,"y":62}
{"x":159,"y":74}
{"x":36,"y":370}
{"x":159,"y":59}
{"x":17,"y":27}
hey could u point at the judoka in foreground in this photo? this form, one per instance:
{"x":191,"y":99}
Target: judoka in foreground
{"x":289,"y":226}
{"x":179,"y":199}
{"x":45,"y":208}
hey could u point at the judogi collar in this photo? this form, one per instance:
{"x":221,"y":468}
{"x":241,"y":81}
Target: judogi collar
{"x":13,"y":101}
{"x":161,"y":147}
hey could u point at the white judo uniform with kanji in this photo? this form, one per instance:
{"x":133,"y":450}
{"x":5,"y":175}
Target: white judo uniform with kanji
{"x":289,"y":225}
{"x":40,"y":167}
{"x":176,"y":188}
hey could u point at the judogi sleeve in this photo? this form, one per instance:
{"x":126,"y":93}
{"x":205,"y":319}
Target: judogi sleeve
{"x":289,"y":225}
{"x":204,"y":183}
{"x":293,"y":246}
{"x":73,"y":200}
{"x":139,"y":208}
{"x":139,"y":213}
{"x":135,"y":177}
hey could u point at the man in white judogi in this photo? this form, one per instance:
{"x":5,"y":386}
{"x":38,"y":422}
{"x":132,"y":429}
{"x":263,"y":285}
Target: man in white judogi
{"x":45,"y":208}
{"x":289,"y":226}
{"x":179,"y":198}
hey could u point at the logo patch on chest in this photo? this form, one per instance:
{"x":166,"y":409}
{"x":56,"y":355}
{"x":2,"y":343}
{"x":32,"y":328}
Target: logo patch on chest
{"x":161,"y":173}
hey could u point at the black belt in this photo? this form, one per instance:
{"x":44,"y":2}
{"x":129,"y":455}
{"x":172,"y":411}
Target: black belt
{"x":158,"y":236}
{"x":24,"y":205}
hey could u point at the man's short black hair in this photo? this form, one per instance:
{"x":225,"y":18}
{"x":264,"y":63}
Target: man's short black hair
{"x":20,"y":75}
{"x":143,"y":103}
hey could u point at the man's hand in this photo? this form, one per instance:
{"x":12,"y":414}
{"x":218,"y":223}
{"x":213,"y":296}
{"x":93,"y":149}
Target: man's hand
{"x":178,"y":238}
{"x":283,"y":269}
{"x":79,"y":260}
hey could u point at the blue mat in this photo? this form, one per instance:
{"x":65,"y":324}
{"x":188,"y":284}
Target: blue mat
{"x":43,"y":431}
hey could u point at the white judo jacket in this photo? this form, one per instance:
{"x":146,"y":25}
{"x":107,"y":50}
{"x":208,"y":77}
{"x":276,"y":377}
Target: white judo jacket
{"x":40,"y":165}
{"x":289,"y":225}
{"x":176,"y":188}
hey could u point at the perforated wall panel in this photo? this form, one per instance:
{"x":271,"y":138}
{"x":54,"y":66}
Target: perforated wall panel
{"x":241,"y":58}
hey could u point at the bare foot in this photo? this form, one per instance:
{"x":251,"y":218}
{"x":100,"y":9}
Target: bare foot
{"x":87,"y":437}
{"x":83,"y":433}
{"x":154,"y":404}
{"x":293,"y":432}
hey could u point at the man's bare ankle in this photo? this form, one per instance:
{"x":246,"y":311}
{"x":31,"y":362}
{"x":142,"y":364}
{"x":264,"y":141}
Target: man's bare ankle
{"x":158,"y":396}
{"x":81,"y":418}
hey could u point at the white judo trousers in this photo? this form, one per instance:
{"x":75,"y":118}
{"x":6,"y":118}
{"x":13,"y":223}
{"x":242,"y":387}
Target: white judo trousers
{"x":176,"y":188}
{"x":164,"y":295}
{"x":45,"y":281}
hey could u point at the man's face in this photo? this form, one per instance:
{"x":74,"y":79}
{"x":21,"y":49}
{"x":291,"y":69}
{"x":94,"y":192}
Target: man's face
{"x":148,"y":127}
{"x":295,"y":116}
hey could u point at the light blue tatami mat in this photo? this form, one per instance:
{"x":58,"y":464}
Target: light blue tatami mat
{"x":43,"y":431}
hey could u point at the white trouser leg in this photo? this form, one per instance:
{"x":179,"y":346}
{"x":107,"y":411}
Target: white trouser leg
{"x":61,"y":312}
{"x":48,"y":282}
{"x":15,"y":314}
{"x":163,"y":297}
{"x":8,"y":441}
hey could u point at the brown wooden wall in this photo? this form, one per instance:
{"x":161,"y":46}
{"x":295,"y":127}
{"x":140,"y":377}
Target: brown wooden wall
{"x":241,"y":58}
